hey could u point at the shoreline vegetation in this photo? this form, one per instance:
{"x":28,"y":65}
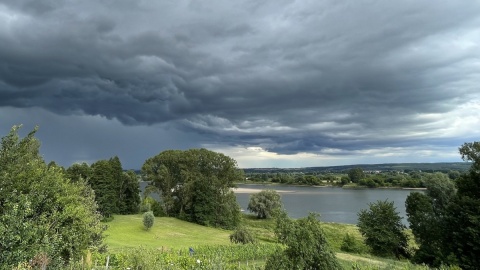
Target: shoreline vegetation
{"x":255,"y":190}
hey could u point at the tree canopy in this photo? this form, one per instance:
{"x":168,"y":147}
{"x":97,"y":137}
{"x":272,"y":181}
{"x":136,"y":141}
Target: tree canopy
{"x":446,"y":219}
{"x":426,"y":214}
{"x":195,"y":185}
{"x":383,"y":230}
{"x":43,"y":214}
{"x":356,"y":174}
{"x":116,"y":191}
{"x":463,"y":216}
{"x":265,"y":203}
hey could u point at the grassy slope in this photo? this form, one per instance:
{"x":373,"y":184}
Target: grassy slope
{"x":128,"y":231}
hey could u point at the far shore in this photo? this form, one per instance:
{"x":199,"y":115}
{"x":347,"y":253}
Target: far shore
{"x":254,"y":190}
{"x":272,"y":185}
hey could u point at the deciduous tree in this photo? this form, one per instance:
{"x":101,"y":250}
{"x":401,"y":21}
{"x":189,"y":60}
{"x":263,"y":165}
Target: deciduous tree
{"x":129,"y":201}
{"x":426,"y":214}
{"x":42,"y":213}
{"x":265,"y":203}
{"x":383,"y":230}
{"x":356,"y":174}
{"x":463,"y":218}
{"x":195,"y":185}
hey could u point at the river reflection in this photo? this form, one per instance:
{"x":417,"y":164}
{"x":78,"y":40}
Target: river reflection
{"x":334,"y":204}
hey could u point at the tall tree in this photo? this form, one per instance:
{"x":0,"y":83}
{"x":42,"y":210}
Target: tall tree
{"x":265,"y":203}
{"x":356,"y":174}
{"x":382,"y":227}
{"x":427,"y":217}
{"x":116,"y":171}
{"x":43,"y":215}
{"x":195,"y":185}
{"x":463,"y":218}
{"x":105,"y":186}
{"x":79,"y":171}
{"x":129,"y":200}
{"x":447,"y":223}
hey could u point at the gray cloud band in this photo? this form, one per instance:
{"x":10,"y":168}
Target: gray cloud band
{"x":291,"y":76}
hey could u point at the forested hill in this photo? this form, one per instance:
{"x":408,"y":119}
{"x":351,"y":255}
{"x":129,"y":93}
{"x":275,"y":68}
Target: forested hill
{"x":405,"y":167}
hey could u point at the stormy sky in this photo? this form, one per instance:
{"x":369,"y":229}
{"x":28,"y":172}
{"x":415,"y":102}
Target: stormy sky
{"x":274,"y":83}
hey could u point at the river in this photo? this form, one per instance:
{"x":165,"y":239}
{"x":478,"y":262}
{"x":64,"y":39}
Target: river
{"x":334,"y":204}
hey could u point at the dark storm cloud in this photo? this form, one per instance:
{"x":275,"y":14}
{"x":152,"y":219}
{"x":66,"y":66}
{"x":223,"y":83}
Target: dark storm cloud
{"x":290,"y":76}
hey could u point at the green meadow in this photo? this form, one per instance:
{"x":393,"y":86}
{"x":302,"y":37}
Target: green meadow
{"x":127,"y":236}
{"x":127,"y":231}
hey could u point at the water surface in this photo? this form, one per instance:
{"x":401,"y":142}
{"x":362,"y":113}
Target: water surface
{"x":334,"y":204}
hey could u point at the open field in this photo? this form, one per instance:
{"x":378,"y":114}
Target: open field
{"x":128,"y":231}
{"x":127,"y":234}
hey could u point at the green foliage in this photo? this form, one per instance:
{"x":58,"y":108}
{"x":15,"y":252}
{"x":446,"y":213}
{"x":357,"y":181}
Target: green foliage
{"x":195,"y":185}
{"x":306,"y":245}
{"x":265,"y":203}
{"x":103,"y":182}
{"x":383,"y":230}
{"x":205,"y":257}
{"x":78,"y":172}
{"x":463,"y":218}
{"x":426,"y":215}
{"x":150,"y":204}
{"x":242,"y":235}
{"x":43,"y":215}
{"x":356,"y":174}
{"x":116,"y":192}
{"x":446,"y":222}
{"x":148,"y":220}
{"x":351,"y":244}
{"x":344,"y":180}
{"x":129,"y":194}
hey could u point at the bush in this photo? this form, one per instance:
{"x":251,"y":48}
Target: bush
{"x":306,"y":245}
{"x":44,"y":216}
{"x":148,"y":220}
{"x":242,"y":236}
{"x":350,"y":244}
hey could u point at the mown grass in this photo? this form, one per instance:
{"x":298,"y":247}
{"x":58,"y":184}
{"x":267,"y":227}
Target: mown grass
{"x":128,"y":231}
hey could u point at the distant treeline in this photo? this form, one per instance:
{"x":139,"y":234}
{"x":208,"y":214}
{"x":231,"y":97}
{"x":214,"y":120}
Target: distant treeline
{"x":444,"y":167}
{"x":353,"y":177}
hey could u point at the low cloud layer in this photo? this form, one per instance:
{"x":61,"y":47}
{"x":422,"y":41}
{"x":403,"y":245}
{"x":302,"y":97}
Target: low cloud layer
{"x":289,"y":77}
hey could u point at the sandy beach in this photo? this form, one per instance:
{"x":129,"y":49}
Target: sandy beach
{"x":254,"y":190}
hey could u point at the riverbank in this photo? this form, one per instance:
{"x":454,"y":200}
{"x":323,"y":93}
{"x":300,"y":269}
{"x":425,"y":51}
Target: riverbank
{"x":347,"y":186}
{"x":256,"y":190}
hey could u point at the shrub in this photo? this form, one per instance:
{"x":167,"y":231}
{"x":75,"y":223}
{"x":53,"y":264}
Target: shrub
{"x":306,"y":245}
{"x":148,"y":220}
{"x":350,"y":244}
{"x":242,"y":236}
